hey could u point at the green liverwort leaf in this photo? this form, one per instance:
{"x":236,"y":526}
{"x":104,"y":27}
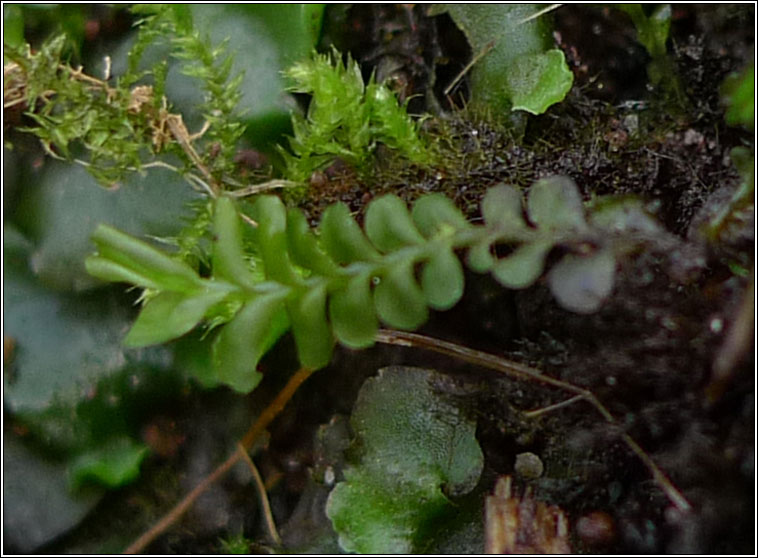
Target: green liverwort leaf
{"x":271,"y":215}
{"x":263,"y":39}
{"x":615,"y":214}
{"x":114,"y":464}
{"x":413,"y":443}
{"x":352,"y":313}
{"x":62,"y":208}
{"x":514,"y":69}
{"x":38,"y":504}
{"x":539,"y":80}
{"x":479,"y":257}
{"x":653,"y":31}
{"x":582,"y":283}
{"x":13,"y":25}
{"x":65,"y":342}
{"x":389,"y":225}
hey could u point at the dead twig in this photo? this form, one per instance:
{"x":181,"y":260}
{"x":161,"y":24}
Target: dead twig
{"x":261,"y":487}
{"x":736,"y":345}
{"x":247,"y":441}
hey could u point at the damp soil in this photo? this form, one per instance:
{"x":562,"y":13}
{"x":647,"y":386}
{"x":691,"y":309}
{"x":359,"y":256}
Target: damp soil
{"x":648,"y":354}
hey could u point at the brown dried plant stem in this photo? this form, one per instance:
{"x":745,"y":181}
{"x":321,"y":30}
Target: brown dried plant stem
{"x":247,"y":441}
{"x":517,"y":370}
{"x":265,"y":505}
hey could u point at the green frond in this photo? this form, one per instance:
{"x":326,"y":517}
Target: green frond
{"x":337,"y":284}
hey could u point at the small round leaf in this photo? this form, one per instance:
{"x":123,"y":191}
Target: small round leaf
{"x":313,"y":336}
{"x":353,"y":315}
{"x":502,"y":207}
{"x":555,"y":203}
{"x":304,"y":247}
{"x":342,"y":238}
{"x":523,"y":267}
{"x":399,"y":300}
{"x":389,"y":225}
{"x":442,"y":280}
{"x":480,"y":258}
{"x":433,"y":213}
{"x":244,"y":340}
{"x":582,"y":283}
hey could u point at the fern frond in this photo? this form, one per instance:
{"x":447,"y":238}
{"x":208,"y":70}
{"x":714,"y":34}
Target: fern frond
{"x":338,"y":283}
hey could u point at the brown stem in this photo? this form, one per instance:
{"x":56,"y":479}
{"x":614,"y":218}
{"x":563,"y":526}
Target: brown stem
{"x":261,"y":487}
{"x":264,"y":419}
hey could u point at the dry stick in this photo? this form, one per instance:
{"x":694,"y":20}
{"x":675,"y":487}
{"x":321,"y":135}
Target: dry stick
{"x":260,"y":425}
{"x":515,"y":369}
{"x":737,"y":343}
{"x":261,"y":487}
{"x":554,"y":407}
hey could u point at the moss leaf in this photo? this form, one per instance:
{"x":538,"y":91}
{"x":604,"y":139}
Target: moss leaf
{"x":412,"y":442}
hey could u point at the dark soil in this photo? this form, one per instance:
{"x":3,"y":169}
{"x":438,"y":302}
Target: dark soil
{"x":648,"y":355}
